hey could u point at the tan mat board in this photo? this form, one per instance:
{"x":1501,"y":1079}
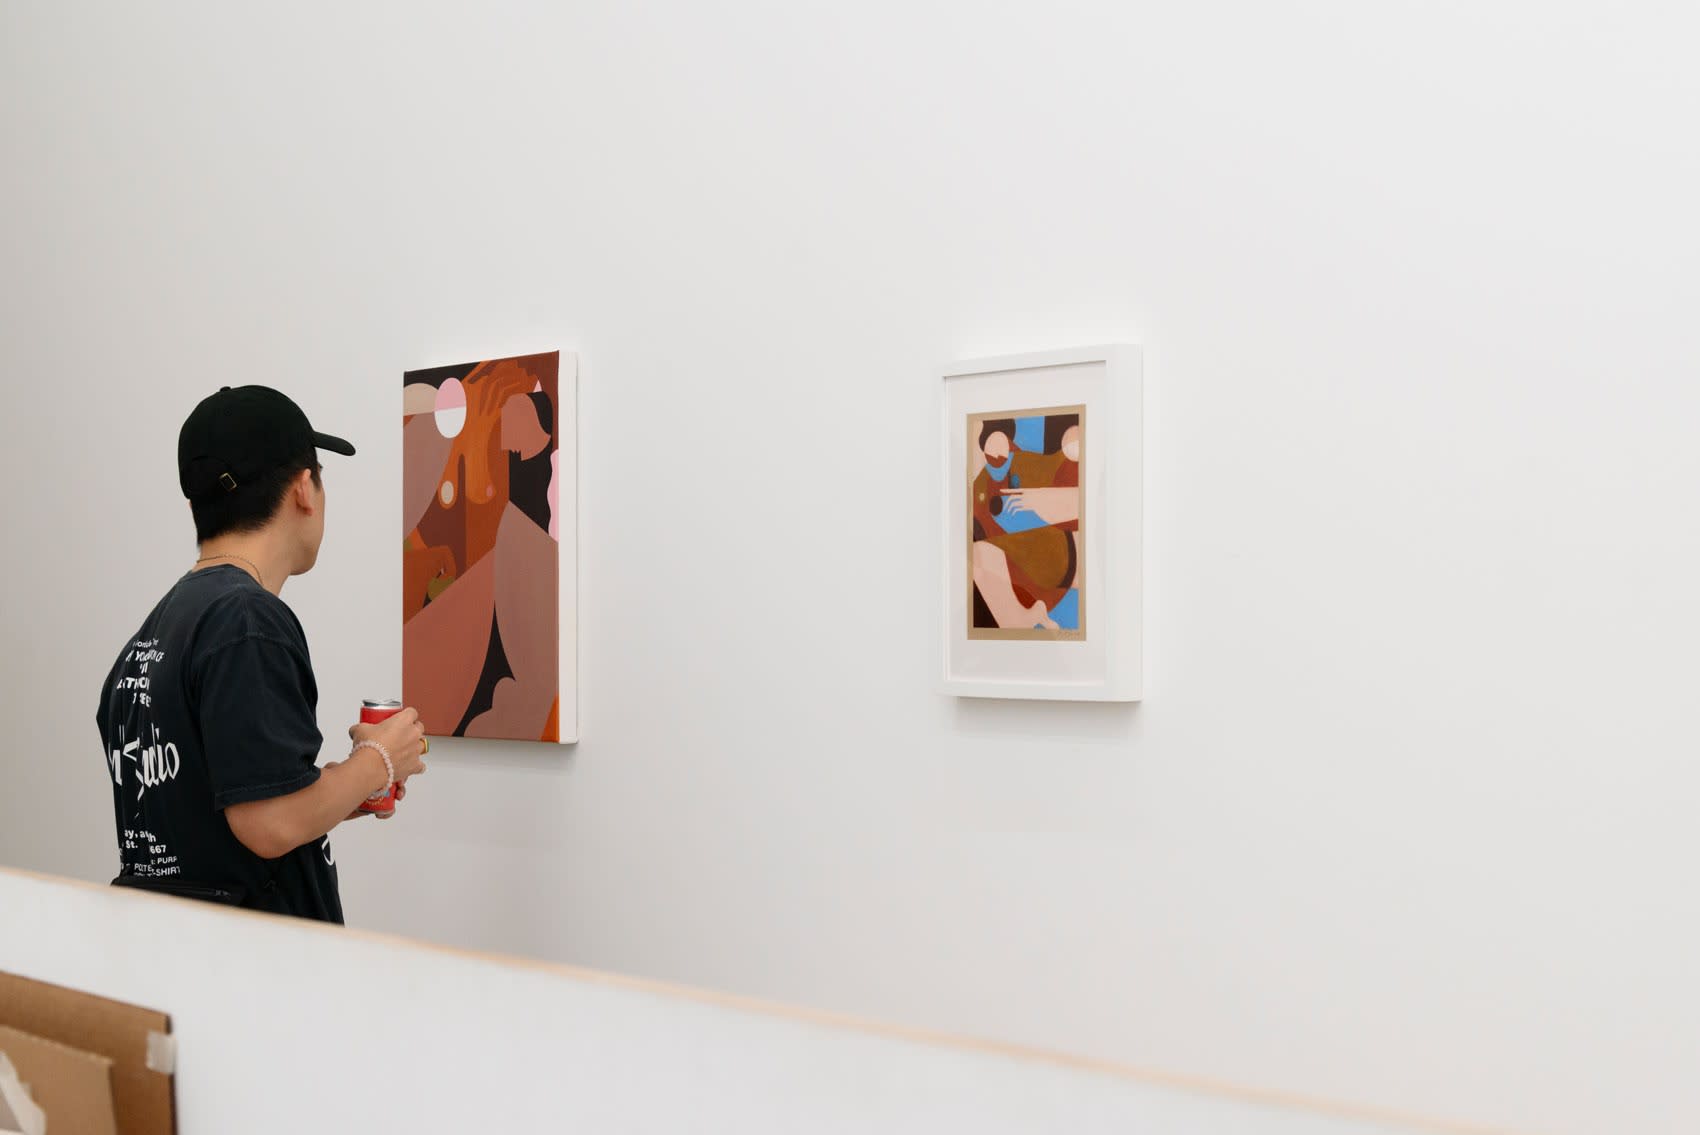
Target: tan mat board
{"x":73,"y":1087}
{"x":142,"y":1098}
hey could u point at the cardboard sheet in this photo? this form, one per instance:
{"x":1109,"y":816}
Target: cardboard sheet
{"x":73,"y":1087}
{"x":18,"y":1113}
{"x":142,"y":1098}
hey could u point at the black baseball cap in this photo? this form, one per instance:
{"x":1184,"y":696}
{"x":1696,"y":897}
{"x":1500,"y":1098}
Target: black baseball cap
{"x":240,"y":434}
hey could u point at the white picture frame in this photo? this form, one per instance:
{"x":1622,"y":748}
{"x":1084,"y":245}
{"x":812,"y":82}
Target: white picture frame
{"x":1100,"y":658}
{"x":567,"y":472}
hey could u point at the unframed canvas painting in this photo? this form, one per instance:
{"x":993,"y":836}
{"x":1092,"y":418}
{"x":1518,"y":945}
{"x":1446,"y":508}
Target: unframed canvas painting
{"x":481,"y":551}
{"x":1026,"y":509}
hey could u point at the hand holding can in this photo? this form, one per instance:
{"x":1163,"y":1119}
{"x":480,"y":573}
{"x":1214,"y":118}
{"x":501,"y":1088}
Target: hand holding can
{"x":404,"y":738}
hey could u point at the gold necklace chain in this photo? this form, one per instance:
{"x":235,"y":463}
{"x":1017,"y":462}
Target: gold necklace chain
{"x":258,"y":578}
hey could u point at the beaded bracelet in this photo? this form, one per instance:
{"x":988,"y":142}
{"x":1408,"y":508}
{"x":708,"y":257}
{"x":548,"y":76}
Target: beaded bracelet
{"x":389,"y":766}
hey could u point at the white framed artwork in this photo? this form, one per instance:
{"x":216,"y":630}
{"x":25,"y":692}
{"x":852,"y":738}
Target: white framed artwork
{"x":1043,"y":524}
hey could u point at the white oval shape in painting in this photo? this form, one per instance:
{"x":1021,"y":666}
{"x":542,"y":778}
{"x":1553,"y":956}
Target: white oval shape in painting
{"x":451,"y":407}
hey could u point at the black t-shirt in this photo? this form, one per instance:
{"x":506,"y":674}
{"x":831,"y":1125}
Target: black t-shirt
{"x":213,"y":703}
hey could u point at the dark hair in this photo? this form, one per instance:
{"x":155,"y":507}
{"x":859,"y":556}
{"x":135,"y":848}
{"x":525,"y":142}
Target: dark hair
{"x":249,"y":507}
{"x":1005,"y":426}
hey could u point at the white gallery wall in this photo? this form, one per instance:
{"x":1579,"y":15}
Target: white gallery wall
{"x":1407,"y":815}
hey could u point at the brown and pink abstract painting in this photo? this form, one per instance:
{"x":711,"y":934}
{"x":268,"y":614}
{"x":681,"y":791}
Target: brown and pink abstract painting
{"x":481,"y":552}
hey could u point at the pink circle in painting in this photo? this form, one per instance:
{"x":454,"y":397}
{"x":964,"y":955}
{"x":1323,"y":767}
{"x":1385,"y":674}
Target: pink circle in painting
{"x":451,"y":407}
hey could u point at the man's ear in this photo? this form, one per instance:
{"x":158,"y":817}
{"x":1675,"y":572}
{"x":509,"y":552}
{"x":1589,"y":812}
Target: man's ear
{"x":303,"y":492}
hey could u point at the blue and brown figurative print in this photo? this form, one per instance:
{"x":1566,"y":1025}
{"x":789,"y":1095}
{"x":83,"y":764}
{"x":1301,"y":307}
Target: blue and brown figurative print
{"x":1026,"y":515}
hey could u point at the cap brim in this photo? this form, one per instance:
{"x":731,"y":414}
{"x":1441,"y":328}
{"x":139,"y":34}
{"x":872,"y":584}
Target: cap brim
{"x":334,"y":444}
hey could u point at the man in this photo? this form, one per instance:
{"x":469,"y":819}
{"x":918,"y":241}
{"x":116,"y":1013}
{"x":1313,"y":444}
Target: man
{"x":208,"y":717}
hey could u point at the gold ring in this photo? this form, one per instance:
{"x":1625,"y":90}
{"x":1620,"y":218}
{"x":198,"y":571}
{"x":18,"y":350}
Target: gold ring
{"x":424,"y":745}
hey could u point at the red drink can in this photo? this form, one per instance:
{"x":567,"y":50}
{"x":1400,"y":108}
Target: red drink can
{"x":373,"y":711}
